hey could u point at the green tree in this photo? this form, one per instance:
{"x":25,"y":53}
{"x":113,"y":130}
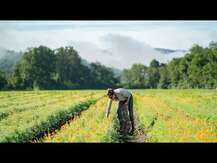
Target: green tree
{"x":68,"y":64}
{"x":138,"y":72}
{"x":153,"y":75}
{"x":15,"y":80}
{"x":154,"y":63}
{"x":102,"y":76}
{"x":70,"y":72}
{"x":199,"y":59}
{"x":126,"y":79}
{"x":174,"y":75}
{"x":209,"y":70}
{"x":164,"y":81}
{"x":3,"y":81}
{"x":35,"y":69}
{"x":134,"y":77}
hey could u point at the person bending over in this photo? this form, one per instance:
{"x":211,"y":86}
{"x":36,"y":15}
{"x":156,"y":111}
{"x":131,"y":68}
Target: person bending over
{"x":125,"y":103}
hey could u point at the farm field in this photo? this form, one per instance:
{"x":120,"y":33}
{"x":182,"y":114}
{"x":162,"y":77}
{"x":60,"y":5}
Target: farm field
{"x":28,"y":115}
{"x":91,"y":126}
{"x":79,"y":116}
{"x":178,"y":115}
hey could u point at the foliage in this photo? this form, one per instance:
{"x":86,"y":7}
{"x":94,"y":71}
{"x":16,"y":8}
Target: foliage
{"x":63,"y":68}
{"x":43,"y":68}
{"x":35,"y":69}
{"x":101,"y":76}
{"x":197,"y":69}
{"x":3,"y":81}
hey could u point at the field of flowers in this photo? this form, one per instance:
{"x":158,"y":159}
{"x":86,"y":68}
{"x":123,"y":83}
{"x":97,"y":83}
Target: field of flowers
{"x":178,"y":115}
{"x":28,"y":115}
{"x":79,"y":116}
{"x":91,"y":126}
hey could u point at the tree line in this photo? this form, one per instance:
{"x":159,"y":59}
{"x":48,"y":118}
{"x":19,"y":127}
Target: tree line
{"x":197,"y":69}
{"x":63,"y":68}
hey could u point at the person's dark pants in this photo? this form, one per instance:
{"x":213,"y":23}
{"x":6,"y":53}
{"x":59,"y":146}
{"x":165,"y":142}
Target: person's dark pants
{"x":125,"y":113}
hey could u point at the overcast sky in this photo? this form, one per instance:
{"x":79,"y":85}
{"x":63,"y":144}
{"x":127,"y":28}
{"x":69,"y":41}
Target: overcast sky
{"x":113,"y":43}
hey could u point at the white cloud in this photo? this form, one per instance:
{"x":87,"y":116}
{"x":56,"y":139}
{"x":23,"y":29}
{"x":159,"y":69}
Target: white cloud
{"x":120,"y":51}
{"x":118,"y":47}
{"x":20,"y":40}
{"x":173,"y":37}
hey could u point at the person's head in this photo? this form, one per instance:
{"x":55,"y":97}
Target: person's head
{"x":111,"y":94}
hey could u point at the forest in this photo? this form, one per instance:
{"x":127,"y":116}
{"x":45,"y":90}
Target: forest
{"x":41,"y":68}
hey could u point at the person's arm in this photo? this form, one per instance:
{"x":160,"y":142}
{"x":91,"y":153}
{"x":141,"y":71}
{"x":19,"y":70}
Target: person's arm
{"x":128,"y":99}
{"x":127,"y":96}
{"x":108,"y":109}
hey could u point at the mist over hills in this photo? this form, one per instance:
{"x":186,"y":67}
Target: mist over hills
{"x":2,"y":52}
{"x":169,"y":51}
{"x":9,"y":58}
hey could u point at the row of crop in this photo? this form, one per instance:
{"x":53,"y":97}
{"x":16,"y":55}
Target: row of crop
{"x":166,"y":123}
{"x":10,"y":96}
{"x":52,"y":123}
{"x":31,"y":102}
{"x":23,"y":100}
{"x":91,"y":126}
{"x":23,"y":104}
{"x":196,"y":105}
{"x":34,"y":104}
{"x":18,"y":95}
{"x":20,"y":122}
{"x":26,"y":97}
{"x":12,"y":110}
{"x":28,"y":103}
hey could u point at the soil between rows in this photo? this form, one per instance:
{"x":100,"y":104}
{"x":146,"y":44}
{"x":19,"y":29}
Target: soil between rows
{"x":139,"y":135}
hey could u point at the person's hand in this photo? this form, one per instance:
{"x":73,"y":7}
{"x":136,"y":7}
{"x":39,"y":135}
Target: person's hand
{"x":132,"y":131}
{"x":107,"y":115}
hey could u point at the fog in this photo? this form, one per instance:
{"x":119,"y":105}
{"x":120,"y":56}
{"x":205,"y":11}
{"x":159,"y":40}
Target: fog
{"x":121,"y":51}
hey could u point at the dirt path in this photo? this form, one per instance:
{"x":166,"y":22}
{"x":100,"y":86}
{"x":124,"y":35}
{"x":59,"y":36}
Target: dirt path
{"x":139,"y":135}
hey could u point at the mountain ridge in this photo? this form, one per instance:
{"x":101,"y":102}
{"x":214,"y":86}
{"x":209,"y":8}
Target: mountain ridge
{"x":168,"y":51}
